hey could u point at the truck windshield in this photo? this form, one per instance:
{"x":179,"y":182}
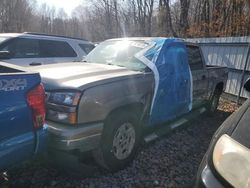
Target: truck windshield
{"x":120,"y":53}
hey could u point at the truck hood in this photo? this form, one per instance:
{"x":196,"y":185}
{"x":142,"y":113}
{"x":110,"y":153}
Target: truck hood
{"x":80,"y":75}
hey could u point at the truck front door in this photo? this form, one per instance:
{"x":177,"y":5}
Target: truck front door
{"x":173,"y":97}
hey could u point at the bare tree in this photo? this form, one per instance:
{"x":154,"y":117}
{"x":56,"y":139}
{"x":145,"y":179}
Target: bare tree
{"x":166,"y":18}
{"x":184,"y":4}
{"x":103,"y":19}
{"x":15,"y":15}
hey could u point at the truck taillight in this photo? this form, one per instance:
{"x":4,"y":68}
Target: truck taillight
{"x":36,"y":101}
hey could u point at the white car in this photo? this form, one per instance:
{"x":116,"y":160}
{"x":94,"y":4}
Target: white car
{"x":25,"y":49}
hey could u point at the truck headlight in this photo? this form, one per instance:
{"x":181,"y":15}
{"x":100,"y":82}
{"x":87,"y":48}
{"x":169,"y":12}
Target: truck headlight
{"x":232,"y":161}
{"x":65,"y":98}
{"x":63,"y":117}
{"x":62,"y":106}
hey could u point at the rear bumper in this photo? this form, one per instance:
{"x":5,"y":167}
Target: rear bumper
{"x":84,"y":138}
{"x":41,"y":139}
{"x":21,"y":148}
{"x":16,"y":150}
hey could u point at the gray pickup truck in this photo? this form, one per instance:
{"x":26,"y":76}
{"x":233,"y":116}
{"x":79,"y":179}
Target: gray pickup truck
{"x":125,"y":89}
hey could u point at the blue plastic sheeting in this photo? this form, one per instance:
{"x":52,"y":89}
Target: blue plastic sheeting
{"x":168,"y":60}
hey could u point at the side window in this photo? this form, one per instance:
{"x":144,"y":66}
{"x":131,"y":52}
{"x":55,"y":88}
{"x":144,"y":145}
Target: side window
{"x":194,"y":58}
{"x":22,"y":48}
{"x":87,"y":47}
{"x":51,"y":48}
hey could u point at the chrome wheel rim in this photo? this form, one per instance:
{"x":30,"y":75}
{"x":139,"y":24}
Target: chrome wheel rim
{"x":124,"y":141}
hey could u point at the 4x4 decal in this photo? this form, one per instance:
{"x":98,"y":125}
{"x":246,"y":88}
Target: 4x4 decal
{"x":12,"y":84}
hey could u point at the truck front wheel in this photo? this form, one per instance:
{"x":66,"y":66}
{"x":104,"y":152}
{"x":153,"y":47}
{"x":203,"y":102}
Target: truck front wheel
{"x":120,"y":141}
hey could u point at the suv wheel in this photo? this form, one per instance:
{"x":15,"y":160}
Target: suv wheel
{"x":120,"y":141}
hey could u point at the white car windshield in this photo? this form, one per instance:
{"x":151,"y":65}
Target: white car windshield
{"x":3,"y":39}
{"x":120,"y":53}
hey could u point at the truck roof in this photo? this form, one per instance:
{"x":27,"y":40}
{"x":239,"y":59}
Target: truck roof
{"x":148,"y":39}
{"x":139,"y":38}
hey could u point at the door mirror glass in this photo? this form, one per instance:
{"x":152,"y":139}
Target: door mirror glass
{"x":5,"y":55}
{"x":247,"y":85}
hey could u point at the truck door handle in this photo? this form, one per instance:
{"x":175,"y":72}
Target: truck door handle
{"x":203,"y":77}
{"x":35,"y":64}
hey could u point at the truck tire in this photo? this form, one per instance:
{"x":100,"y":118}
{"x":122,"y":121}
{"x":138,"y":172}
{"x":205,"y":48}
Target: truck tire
{"x":214,"y":102}
{"x":120,"y":141}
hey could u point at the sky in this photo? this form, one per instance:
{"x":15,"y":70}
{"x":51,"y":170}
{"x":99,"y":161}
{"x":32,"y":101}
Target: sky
{"x":68,"y":5}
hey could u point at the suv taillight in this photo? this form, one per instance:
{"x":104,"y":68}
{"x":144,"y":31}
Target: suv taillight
{"x":36,"y":101}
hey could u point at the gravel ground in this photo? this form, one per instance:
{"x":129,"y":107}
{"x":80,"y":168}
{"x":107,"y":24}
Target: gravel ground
{"x":170,"y":161}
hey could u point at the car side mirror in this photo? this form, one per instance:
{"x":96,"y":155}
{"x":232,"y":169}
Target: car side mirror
{"x":5,"y":55}
{"x":247,"y":85}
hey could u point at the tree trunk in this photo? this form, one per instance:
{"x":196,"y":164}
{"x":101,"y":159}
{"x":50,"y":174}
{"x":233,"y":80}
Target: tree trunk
{"x":184,"y":17}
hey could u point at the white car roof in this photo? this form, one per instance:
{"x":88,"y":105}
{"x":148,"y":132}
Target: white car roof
{"x":42,"y":36}
{"x":10,"y":34}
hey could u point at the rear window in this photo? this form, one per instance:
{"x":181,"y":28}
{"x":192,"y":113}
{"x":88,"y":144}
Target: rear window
{"x":37,"y":48}
{"x":22,"y":48}
{"x":51,"y":48}
{"x":194,"y":57}
{"x":87,"y":47}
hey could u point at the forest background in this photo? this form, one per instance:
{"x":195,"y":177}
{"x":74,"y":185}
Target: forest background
{"x":98,"y":20}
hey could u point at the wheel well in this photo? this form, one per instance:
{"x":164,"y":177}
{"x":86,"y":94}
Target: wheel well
{"x":219,"y":88}
{"x":134,"y":107}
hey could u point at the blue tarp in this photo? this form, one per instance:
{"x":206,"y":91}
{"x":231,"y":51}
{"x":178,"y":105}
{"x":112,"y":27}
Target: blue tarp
{"x":167,"y":58}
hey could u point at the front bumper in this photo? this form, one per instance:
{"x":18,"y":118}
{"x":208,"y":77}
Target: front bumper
{"x":208,"y":180}
{"x":205,"y":177}
{"x":82,"y":137}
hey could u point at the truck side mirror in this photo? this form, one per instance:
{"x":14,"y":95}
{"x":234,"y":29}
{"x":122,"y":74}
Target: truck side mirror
{"x":5,"y":55}
{"x":247,"y":85}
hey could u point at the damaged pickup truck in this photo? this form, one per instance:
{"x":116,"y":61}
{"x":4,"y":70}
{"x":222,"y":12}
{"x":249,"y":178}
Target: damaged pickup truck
{"x":124,"y":90}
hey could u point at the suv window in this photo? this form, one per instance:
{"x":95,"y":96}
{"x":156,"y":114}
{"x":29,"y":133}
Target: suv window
{"x":50,"y":48}
{"x":22,"y":48}
{"x":87,"y":47}
{"x":194,"y":57}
